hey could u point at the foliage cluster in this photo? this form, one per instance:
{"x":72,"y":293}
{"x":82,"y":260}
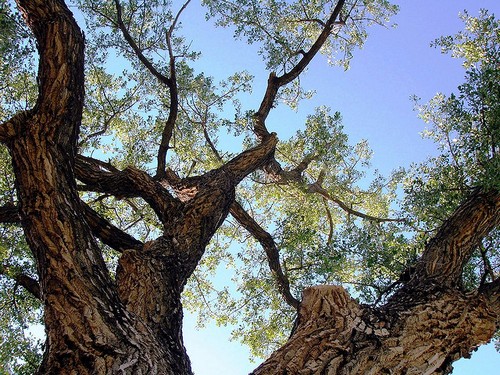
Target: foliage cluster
{"x":337,"y":222}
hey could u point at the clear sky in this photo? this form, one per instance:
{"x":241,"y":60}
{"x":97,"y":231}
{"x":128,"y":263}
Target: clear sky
{"x":374,"y":99}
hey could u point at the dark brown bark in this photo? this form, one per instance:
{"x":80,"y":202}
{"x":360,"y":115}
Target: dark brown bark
{"x":9,"y":214}
{"x":422,"y":329}
{"x":88,"y":327}
{"x":133,"y":325}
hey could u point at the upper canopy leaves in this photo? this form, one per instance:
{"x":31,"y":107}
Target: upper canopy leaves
{"x":284,"y":30}
{"x":328,"y":223}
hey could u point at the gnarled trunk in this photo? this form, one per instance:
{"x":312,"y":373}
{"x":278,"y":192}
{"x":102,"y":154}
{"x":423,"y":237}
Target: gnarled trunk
{"x":336,"y":335}
{"x":89,"y":328}
{"x":425,"y":326}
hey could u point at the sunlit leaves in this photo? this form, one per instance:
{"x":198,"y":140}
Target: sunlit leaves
{"x":466,"y":127}
{"x":283,"y":39}
{"x":477,"y":43}
{"x":17,"y":63}
{"x":19,"y":310}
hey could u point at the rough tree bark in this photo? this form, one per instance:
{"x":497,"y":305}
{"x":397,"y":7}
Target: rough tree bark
{"x":95,"y":325}
{"x":425,"y":326}
{"x":133,"y":325}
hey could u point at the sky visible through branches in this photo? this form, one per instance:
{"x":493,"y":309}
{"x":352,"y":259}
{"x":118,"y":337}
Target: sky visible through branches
{"x":373,"y":97}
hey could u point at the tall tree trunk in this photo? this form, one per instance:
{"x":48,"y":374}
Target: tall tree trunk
{"x":89,"y":329}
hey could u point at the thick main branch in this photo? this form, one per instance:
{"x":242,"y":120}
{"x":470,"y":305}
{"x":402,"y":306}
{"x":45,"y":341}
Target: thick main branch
{"x":447,"y":252}
{"x":131,"y":182}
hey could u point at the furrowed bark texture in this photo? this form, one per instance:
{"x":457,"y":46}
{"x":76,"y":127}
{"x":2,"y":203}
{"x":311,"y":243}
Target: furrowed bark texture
{"x":89,"y":329}
{"x":133,"y":324}
{"x":422,"y":329}
{"x":336,"y":335}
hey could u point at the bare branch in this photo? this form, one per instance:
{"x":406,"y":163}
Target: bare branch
{"x":317,"y":188}
{"x":269,"y":246}
{"x":274,"y":82}
{"x":131,"y":182}
{"x":447,"y":252}
{"x":144,"y":60}
{"x":27,"y":282}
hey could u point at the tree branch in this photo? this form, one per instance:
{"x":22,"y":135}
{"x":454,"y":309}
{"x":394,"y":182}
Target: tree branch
{"x":108,"y":233}
{"x":144,"y":60}
{"x":170,"y":82}
{"x":317,"y":188}
{"x":252,"y":159}
{"x":131,"y":182}
{"x":61,"y":70}
{"x":9,"y":214}
{"x":27,"y":282}
{"x":274,"y":82}
{"x":30,"y":284}
{"x":269,"y":246}
{"x":101,"y":228}
{"x":174,"y":101}
{"x":447,"y":252}
{"x":11,"y":128}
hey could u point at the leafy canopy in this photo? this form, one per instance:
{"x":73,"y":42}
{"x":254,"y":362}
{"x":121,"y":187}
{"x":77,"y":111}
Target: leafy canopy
{"x":329,"y":224}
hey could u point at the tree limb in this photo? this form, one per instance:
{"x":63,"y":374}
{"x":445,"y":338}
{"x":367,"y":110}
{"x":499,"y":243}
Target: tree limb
{"x":174,"y":102}
{"x":170,"y":82}
{"x":317,"y":188}
{"x":108,"y":233}
{"x":11,"y":128}
{"x":274,"y":82}
{"x":30,"y":284}
{"x":9,"y":214}
{"x":252,"y":159}
{"x":269,"y":246}
{"x":27,"y":282}
{"x":144,"y":60}
{"x":101,"y":228}
{"x":447,"y":252}
{"x":131,"y":182}
{"x":61,"y":70}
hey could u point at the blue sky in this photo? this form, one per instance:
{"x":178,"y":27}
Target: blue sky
{"x":374,"y":99}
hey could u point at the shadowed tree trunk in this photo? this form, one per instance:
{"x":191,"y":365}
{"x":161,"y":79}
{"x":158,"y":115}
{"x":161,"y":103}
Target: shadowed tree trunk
{"x":133,"y":325}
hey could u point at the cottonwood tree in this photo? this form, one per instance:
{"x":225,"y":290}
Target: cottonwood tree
{"x":117,"y":200}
